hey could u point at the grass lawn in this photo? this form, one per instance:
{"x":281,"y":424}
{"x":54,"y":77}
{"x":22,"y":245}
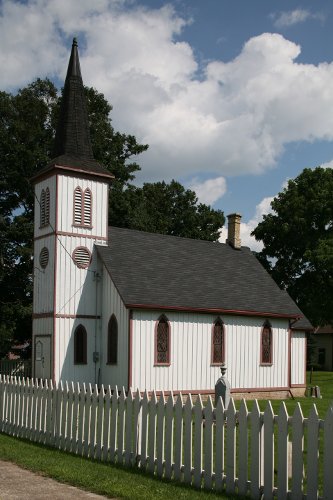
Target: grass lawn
{"x":97,"y":477}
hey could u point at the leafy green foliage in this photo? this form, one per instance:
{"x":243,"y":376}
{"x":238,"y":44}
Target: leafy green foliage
{"x":298,"y":241}
{"x":168,"y":209}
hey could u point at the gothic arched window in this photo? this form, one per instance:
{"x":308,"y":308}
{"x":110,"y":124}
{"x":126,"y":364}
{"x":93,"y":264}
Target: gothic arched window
{"x":162,"y":342}
{"x":266,"y":356}
{"x":112,"y":354}
{"x":82,"y":207}
{"x":218,"y":342}
{"x":80,"y":345}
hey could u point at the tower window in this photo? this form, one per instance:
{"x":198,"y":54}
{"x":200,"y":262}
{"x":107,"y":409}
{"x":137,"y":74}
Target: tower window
{"x":82,"y":207}
{"x":80,"y":345}
{"x":218,"y":342}
{"x":112,"y":355}
{"x":266,"y":344}
{"x":45,"y":207}
{"x":162,"y":342}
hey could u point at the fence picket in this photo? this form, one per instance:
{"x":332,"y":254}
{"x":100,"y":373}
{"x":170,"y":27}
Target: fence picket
{"x":282,"y":476}
{"x":121,"y":426}
{"x":178,"y":438}
{"x":75,"y":416}
{"x":198,"y":441}
{"x":129,"y":427}
{"x":80,"y":431}
{"x":188,"y":430}
{"x":219,"y":444}
{"x":70,"y":410}
{"x":106,"y":424}
{"x":114,"y":425}
{"x":152,"y":405}
{"x":100,"y":423}
{"x":17,"y":406}
{"x":144,"y":431}
{"x":312,"y":459}
{"x":328,"y":455}
{"x":64,"y":417}
{"x":160,"y":435}
{"x":231,"y":447}
{"x":169,"y":436}
{"x":136,"y":427}
{"x":268,"y":451}
{"x":256,"y":425}
{"x":208,"y":440}
{"x":243,"y":448}
{"x":93,"y":422}
{"x":297,"y":453}
{"x":86,"y":421}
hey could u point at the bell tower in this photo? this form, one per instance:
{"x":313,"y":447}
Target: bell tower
{"x":71,"y":206}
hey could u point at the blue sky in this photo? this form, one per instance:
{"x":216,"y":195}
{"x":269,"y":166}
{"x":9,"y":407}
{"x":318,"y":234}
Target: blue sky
{"x":233,"y":97}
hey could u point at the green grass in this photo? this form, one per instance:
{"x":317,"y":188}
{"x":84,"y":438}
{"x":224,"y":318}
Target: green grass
{"x":97,"y":477}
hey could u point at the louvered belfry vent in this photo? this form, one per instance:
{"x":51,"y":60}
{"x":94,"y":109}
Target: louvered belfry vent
{"x":87,"y":208}
{"x":44,"y":257}
{"x":82,"y":207}
{"x":47,"y":206}
{"x":42,"y":209}
{"x":81,"y":257}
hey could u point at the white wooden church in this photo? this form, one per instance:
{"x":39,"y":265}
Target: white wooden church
{"x":148,"y":311}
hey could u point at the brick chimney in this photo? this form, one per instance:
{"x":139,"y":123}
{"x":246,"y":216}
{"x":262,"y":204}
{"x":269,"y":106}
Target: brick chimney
{"x":234,"y":231}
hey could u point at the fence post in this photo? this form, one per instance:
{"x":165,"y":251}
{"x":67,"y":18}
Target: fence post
{"x":222,"y":387}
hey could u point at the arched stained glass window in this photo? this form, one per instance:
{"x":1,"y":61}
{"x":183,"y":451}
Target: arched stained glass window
{"x":162,"y":342}
{"x":112,"y":356}
{"x":80,"y":345}
{"x":218,"y":342}
{"x":266,"y":344}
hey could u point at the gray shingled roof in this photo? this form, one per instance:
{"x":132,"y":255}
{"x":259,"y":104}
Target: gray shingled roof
{"x":158,"y":270}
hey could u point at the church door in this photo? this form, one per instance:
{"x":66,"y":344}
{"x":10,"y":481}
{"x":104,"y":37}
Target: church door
{"x":43,"y":357}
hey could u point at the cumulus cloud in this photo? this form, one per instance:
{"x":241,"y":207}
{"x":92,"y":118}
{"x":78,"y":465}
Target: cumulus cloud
{"x":328,"y":164}
{"x":209,"y":191}
{"x":297,"y":16}
{"x":235,"y":119}
{"x":264,"y":207}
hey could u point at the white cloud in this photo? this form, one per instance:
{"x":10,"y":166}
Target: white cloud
{"x":235,"y":120}
{"x":297,"y":16}
{"x":209,"y":191}
{"x":263,"y":208}
{"x":328,"y":164}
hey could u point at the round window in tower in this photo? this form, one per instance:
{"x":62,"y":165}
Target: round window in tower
{"x":81,"y":257}
{"x":44,"y":257}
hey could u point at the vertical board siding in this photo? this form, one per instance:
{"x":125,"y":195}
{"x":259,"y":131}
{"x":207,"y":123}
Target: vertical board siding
{"x":298,"y":359}
{"x":43,"y":278}
{"x":113,"y":304}
{"x":226,"y":450}
{"x":190,"y":357}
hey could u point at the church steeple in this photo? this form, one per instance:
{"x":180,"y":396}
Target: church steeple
{"x":72,"y":136}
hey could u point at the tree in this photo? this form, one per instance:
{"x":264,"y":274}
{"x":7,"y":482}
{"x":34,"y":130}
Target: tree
{"x":298,"y":242}
{"x":169,"y":209}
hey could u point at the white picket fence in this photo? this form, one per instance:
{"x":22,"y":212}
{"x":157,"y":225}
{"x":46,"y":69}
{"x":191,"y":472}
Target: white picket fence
{"x":202,"y":446}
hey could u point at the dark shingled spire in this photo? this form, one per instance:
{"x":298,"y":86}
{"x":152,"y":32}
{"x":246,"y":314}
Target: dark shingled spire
{"x":72,"y":136}
{"x":72,"y":150}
